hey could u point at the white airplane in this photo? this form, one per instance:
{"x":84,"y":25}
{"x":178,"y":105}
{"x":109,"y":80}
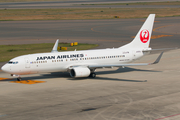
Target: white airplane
{"x":83,"y":63}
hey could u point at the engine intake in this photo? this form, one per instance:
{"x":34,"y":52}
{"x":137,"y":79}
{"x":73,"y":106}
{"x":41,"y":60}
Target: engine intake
{"x":80,"y":72}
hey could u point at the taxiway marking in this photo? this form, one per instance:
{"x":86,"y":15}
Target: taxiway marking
{"x":28,"y":81}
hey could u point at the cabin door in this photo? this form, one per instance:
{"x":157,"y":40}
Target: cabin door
{"x":27,"y":63}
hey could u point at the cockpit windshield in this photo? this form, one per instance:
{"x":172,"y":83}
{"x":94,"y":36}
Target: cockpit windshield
{"x":11,"y":62}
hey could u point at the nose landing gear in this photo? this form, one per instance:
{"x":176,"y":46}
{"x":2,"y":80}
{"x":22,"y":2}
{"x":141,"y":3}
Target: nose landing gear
{"x":19,"y":79}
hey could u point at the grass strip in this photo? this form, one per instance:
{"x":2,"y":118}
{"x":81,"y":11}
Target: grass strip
{"x":84,"y":13}
{"x":8,"y":52}
{"x":29,"y":0}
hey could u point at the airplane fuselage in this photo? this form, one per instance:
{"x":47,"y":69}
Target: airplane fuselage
{"x":61,"y":61}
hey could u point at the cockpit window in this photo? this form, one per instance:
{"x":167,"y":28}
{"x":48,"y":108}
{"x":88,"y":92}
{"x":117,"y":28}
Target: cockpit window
{"x":11,"y":62}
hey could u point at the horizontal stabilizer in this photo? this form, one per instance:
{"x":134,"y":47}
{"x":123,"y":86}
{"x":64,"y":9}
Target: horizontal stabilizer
{"x":147,"y":50}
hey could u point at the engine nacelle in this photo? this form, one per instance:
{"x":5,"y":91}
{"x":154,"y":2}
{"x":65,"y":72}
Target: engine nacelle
{"x":80,"y":72}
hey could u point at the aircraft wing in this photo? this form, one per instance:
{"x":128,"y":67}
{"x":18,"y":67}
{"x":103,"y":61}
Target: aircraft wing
{"x":123,"y":65}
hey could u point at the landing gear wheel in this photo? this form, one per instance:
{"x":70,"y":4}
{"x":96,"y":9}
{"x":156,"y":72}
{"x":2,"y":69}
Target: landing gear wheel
{"x":92,"y":75}
{"x":19,"y":79}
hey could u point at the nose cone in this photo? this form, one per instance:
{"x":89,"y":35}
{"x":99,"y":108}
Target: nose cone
{"x":5,"y":68}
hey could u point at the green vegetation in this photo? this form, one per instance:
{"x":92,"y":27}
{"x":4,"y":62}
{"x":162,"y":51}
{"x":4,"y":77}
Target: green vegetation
{"x":8,"y":52}
{"x":84,"y":13}
{"x":28,"y":0}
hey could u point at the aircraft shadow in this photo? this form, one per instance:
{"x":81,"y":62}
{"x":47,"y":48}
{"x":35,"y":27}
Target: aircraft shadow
{"x":116,"y":79}
{"x":119,"y":70}
{"x":124,"y":70}
{"x":49,"y":76}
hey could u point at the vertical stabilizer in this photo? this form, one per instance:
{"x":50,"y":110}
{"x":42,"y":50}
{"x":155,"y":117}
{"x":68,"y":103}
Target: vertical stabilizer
{"x":143,"y":37}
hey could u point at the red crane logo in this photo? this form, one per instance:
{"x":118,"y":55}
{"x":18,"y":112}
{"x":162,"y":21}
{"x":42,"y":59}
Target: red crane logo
{"x":144,"y":36}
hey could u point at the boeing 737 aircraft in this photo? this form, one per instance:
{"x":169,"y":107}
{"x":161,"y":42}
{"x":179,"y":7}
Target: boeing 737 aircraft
{"x":83,"y":63}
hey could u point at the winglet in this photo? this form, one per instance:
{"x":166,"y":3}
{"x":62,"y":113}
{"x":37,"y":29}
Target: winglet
{"x":55,"y":46}
{"x":158,"y":59}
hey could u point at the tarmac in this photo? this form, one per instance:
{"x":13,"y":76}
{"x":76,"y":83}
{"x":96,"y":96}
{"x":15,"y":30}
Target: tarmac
{"x":81,"y":4}
{"x":106,"y":33}
{"x":132,"y":93}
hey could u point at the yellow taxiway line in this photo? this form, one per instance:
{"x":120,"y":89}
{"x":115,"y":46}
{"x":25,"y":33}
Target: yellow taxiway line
{"x":23,"y":81}
{"x":28,"y":81}
{"x":5,"y":78}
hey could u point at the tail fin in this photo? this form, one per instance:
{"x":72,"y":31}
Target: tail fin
{"x":143,"y":37}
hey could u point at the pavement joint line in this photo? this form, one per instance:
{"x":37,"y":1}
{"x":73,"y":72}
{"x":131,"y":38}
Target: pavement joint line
{"x":168,"y":117}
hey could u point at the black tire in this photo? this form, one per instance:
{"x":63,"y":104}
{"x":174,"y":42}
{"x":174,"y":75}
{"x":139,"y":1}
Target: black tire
{"x":18,"y":79}
{"x":92,"y":75}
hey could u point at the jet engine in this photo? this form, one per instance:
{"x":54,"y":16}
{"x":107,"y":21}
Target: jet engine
{"x":80,"y":72}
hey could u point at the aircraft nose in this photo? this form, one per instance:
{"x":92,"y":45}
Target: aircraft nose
{"x":5,"y":68}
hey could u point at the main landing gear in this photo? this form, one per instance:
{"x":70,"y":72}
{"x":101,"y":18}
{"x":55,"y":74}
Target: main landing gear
{"x":92,"y":75}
